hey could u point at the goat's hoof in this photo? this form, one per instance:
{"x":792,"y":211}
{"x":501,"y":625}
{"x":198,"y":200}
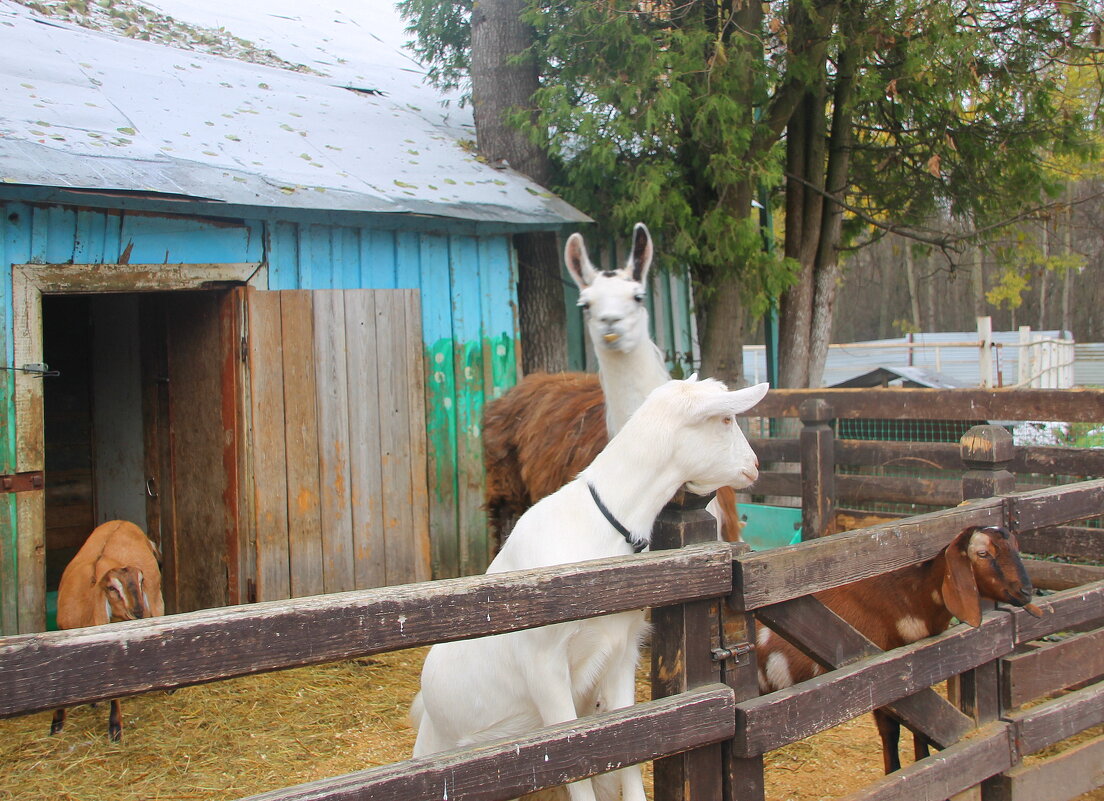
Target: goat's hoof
{"x":54,"y":728}
{"x":115,"y":733}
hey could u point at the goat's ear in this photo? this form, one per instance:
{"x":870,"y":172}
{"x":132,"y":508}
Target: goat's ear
{"x":642,"y":252}
{"x":743,"y":399}
{"x":960,"y":592}
{"x":578,"y":263}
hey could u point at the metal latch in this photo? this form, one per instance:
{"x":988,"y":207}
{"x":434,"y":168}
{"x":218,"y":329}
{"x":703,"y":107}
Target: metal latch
{"x":737,"y":651}
{"x":22,"y":482}
{"x":41,"y":369}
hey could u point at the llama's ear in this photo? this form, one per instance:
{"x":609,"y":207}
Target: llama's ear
{"x":741,"y":400}
{"x":578,"y":263}
{"x":642,"y":253}
{"x":960,"y":592}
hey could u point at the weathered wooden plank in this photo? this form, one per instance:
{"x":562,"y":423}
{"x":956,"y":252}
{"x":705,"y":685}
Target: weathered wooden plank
{"x":778,"y":484}
{"x":919,"y":455}
{"x":157,"y":653}
{"x":780,"y":574}
{"x":1055,"y":720}
{"x":416,"y":415}
{"x":937,"y":456}
{"x":365,"y":464}
{"x":789,"y":715}
{"x":775,"y":450}
{"x":1072,"y":405}
{"x":897,"y":489}
{"x":1055,"y":505}
{"x":200,"y":520}
{"x":1063,"y":777}
{"x":1059,"y":461}
{"x":818,"y":470}
{"x":831,"y":641}
{"x":1086,"y":543}
{"x":301,"y":427}
{"x":682,"y":658}
{"x":137,"y":277}
{"x":332,"y":399}
{"x":399,"y":548}
{"x":946,"y":773}
{"x":30,"y":507}
{"x":1060,"y":575}
{"x":468,"y":364}
{"x":1052,"y":666}
{"x":269,"y":471}
{"x":547,"y":758}
{"x":1061,"y":611}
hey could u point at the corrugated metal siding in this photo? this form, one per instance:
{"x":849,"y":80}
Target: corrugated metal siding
{"x":468,"y":289}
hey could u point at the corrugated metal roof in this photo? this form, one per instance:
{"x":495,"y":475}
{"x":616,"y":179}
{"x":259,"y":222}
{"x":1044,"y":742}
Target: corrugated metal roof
{"x":81,"y":109}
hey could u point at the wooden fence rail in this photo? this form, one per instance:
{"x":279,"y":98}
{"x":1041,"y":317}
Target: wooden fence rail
{"x":710,"y":733}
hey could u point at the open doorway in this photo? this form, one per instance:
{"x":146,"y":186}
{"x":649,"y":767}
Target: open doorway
{"x":138,"y":425}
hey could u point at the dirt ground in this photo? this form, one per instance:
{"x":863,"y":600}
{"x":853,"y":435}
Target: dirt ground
{"x":245,"y":736}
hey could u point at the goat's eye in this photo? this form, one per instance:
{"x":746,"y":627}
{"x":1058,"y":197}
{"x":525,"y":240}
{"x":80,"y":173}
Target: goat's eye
{"x":984,"y":555}
{"x":726,"y":420}
{"x":113,"y":590}
{"x":639,"y":297}
{"x":582,"y":304}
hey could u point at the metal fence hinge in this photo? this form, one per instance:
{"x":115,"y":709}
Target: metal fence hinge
{"x":738,"y":651}
{"x":23,"y":482}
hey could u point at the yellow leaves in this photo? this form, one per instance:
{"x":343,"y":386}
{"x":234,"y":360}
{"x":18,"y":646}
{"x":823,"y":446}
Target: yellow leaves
{"x":933,"y":165}
{"x":891,"y":89}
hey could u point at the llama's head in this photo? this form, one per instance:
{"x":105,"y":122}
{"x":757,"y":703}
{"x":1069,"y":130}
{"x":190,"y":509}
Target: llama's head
{"x":613,"y":300}
{"x":693,"y":423}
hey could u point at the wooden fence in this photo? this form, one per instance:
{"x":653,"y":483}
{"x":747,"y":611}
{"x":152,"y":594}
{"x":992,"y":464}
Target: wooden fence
{"x":707,"y":727}
{"x":831,"y":498}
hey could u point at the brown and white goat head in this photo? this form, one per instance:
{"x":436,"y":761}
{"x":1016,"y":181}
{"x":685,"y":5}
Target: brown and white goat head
{"x":984,"y":562}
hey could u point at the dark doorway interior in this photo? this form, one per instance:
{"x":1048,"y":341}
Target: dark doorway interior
{"x":135,"y":428}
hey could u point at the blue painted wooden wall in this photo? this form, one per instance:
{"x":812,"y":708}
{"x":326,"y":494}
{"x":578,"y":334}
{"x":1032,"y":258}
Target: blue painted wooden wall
{"x":468,"y":289}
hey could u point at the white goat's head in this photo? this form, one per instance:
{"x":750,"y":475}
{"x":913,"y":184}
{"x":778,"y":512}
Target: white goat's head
{"x":693,"y":424}
{"x":613,"y":300}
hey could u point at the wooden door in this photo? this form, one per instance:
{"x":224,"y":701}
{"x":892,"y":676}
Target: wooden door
{"x":336,"y":453}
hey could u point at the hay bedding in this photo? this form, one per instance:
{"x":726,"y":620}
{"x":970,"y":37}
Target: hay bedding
{"x":240,"y":737}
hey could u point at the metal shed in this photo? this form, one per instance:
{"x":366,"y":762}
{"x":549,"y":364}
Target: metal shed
{"x":276,"y":306}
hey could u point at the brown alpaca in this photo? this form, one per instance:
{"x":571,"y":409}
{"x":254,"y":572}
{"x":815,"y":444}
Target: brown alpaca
{"x":540,"y":435}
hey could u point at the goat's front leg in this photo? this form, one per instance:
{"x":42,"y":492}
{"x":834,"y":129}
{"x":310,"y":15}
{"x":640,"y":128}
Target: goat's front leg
{"x":620,"y":692}
{"x":550,"y":688}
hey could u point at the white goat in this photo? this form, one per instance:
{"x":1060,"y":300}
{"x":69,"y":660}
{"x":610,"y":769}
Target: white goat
{"x":685,"y":433}
{"x":113,"y":577}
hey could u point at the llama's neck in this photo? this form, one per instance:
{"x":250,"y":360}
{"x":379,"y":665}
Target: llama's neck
{"x":635,"y":479}
{"x":626,"y":380}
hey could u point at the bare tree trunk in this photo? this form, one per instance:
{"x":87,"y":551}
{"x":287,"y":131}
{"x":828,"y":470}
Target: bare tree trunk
{"x":804,"y":205}
{"x":503,"y":82}
{"x":826,"y":267}
{"x":723,"y":337}
{"x":1043,"y":278}
{"x":977,"y":274}
{"x":913,"y":290}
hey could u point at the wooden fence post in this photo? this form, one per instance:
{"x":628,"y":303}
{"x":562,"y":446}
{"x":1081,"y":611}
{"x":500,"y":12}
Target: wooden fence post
{"x":818,"y":469}
{"x":682,"y":656}
{"x":987,"y":451}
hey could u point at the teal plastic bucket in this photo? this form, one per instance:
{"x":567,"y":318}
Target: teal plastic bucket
{"x":769,"y":526}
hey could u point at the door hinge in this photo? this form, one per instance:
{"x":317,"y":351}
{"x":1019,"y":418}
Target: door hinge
{"x":23,"y":482}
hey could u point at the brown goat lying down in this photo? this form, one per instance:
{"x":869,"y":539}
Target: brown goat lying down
{"x":540,"y":435}
{"x":906,"y":605}
{"x":113,"y":577}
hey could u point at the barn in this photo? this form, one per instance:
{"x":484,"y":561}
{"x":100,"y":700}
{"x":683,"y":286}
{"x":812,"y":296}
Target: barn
{"x":256,"y":311}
